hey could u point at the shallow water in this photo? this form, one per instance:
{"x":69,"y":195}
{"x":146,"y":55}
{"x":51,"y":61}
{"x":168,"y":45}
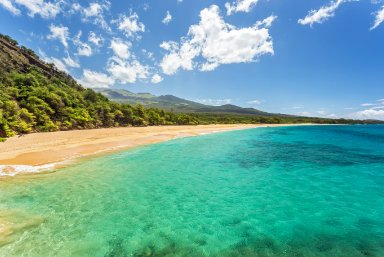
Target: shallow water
{"x":289,"y":191}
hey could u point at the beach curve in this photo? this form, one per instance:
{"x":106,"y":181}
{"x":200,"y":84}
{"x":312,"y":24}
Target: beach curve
{"x":43,"y":151}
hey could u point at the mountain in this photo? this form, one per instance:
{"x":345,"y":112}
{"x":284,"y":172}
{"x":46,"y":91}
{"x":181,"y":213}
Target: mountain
{"x":176,"y":104}
{"x":35,"y":97}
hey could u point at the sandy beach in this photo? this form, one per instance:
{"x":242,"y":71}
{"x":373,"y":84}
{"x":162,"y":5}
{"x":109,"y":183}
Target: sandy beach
{"x":44,"y":148}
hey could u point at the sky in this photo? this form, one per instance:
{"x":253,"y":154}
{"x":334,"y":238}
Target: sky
{"x":313,"y":58}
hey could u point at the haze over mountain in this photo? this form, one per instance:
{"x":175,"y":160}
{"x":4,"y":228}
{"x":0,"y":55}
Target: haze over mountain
{"x":174,"y":103}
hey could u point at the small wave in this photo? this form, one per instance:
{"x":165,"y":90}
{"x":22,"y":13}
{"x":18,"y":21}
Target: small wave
{"x":13,"y":170}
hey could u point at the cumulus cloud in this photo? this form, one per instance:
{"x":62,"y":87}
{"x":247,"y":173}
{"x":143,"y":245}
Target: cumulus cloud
{"x":214,"y":102}
{"x":156,"y":78}
{"x":130,"y":25}
{"x":94,"y":13}
{"x":255,"y":102}
{"x":60,"y":33}
{"x":379,"y":18}
{"x":240,"y":6}
{"x":120,"y":48}
{"x":93,"y":79}
{"x":369,"y":114}
{"x":167,"y":19}
{"x":322,"y":14}
{"x":41,"y":7}
{"x":57,"y":62}
{"x":95,"y":39}
{"x":217,"y":42}
{"x":127,"y":71}
{"x":8,"y":5}
{"x":372,"y":111}
{"x":71,"y":62}
{"x":83,"y":48}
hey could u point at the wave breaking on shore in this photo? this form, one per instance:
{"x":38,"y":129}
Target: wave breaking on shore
{"x":13,"y":170}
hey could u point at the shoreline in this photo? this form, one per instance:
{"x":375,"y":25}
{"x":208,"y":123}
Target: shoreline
{"x":39,"y":152}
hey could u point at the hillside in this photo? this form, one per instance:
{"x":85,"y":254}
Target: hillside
{"x":176,"y":104}
{"x":35,"y":97}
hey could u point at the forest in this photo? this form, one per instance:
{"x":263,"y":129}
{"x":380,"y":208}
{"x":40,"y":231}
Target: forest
{"x":36,"y":97}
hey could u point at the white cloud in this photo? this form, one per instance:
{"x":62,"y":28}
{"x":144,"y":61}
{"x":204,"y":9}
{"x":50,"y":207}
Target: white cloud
{"x":83,"y":49}
{"x":57,"y":62}
{"x":167,"y":19}
{"x":7,"y":4}
{"x":306,"y":114}
{"x":214,"y":102}
{"x":179,"y":58}
{"x":156,"y":79}
{"x":368,"y":114}
{"x":93,"y":79}
{"x":59,"y":32}
{"x":95,"y":39}
{"x":217,"y":43}
{"x":255,"y":102}
{"x":379,"y":18}
{"x":146,"y":7}
{"x":120,"y":48}
{"x":130,"y":25}
{"x":322,"y":14}
{"x":41,"y":7}
{"x":127,"y":71}
{"x":240,"y":6}
{"x":322,"y":112}
{"x":148,"y":54}
{"x":76,"y":7}
{"x":70,"y":62}
{"x":94,"y":13}
{"x":367,"y":104}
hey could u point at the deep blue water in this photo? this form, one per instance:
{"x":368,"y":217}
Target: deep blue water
{"x":287,"y":191}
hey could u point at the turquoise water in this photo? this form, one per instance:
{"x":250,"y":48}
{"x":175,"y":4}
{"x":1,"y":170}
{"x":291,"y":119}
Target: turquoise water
{"x":292,"y":191}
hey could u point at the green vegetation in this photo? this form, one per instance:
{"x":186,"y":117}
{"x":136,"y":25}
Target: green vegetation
{"x":175,"y":104}
{"x":32,"y":102}
{"x":36,"y":97}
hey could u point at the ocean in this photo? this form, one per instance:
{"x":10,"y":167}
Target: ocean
{"x":283,"y":191}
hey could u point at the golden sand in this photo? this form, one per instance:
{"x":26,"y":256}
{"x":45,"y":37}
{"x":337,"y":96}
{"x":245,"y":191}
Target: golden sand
{"x":44,"y":148}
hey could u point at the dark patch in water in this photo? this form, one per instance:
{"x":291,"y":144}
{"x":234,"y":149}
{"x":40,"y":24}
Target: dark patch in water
{"x":332,"y":222}
{"x":23,"y":199}
{"x":263,"y":153}
{"x":116,"y":248}
{"x":257,"y":246}
{"x":172,"y":249}
{"x":366,"y":223}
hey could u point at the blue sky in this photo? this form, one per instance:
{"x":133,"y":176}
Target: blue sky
{"x":318,"y":58}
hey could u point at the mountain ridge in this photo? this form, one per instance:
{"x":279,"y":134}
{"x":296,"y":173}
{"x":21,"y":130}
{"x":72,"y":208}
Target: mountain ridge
{"x":177,"y":104}
{"x":35,"y":96}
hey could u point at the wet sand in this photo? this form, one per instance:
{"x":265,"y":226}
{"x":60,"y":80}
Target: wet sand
{"x":46,"y":148}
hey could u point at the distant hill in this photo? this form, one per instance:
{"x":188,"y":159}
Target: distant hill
{"x":36,"y":97}
{"x":176,"y":104}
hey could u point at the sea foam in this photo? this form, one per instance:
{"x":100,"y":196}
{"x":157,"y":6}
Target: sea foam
{"x":13,"y":170}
